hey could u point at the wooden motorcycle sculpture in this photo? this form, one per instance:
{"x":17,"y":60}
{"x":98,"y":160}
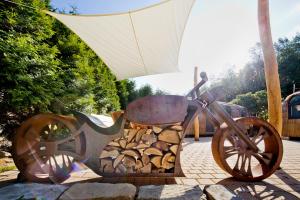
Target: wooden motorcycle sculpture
{"x":47,"y":146}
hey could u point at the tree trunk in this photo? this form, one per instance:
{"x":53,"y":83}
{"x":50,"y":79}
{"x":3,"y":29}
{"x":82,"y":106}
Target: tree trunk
{"x":271,"y":66}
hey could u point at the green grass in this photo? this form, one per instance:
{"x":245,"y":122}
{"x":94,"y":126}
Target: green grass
{"x":7,"y":168}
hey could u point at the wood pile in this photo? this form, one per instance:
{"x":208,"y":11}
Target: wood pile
{"x":142,"y":150}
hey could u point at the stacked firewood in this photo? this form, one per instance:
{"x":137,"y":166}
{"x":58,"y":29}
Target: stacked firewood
{"x":142,"y":150}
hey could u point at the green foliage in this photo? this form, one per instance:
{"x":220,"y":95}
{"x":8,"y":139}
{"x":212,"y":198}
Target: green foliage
{"x":245,"y":87}
{"x":256,"y":103}
{"x":250,"y":78}
{"x":145,"y":90}
{"x":7,"y":168}
{"x":47,"y":68}
{"x":288,"y":55}
{"x":128,"y":92}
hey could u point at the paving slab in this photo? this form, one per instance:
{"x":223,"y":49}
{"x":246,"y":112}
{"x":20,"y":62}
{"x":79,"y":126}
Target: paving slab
{"x":170,"y":192}
{"x":220,"y":192}
{"x":100,"y":191}
{"x":31,"y":191}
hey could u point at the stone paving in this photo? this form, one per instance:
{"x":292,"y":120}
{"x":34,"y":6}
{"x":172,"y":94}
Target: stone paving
{"x":200,"y":169}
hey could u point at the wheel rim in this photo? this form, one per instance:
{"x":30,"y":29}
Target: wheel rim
{"x":45,"y":147}
{"x":242,"y":162}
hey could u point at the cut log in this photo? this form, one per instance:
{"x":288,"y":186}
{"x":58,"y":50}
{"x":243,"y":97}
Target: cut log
{"x":164,"y":162}
{"x":149,"y":131}
{"x":141,"y":151}
{"x":156,"y":129}
{"x":111,"y":154}
{"x":145,"y":159}
{"x":172,"y":159}
{"x":121,"y":168}
{"x":128,"y":161}
{"x":106,"y":165}
{"x":109,"y":169}
{"x":156,"y":161}
{"x":138,"y":126}
{"x":176,"y":128}
{"x":118,"y":160}
{"x":131,"y":134}
{"x":169,"y":136}
{"x":114,"y":144}
{"x":111,"y":148}
{"x":139,"y":164}
{"x":123,"y":143}
{"x":149,"y":138}
{"x":161,"y":145}
{"x":132,"y":153}
{"x":142,"y":146}
{"x":139,"y":134}
{"x":131,"y":145}
{"x":146,"y":169}
{"x":153,"y":151}
{"x":174,"y":148}
{"x":125,"y":132}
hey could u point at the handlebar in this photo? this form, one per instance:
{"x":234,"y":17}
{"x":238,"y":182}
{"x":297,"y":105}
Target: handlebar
{"x":204,"y":79}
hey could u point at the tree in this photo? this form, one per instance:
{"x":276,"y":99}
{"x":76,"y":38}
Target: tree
{"x":288,"y":54}
{"x":256,"y":103}
{"x":28,"y":77}
{"x":145,"y":90}
{"x":47,"y":68}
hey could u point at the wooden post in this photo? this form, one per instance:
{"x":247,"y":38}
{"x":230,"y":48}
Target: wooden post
{"x":202,"y":123}
{"x":196,"y":121}
{"x":270,"y":65}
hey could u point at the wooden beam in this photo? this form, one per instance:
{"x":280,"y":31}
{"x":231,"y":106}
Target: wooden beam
{"x":196,"y":121}
{"x":270,"y":65}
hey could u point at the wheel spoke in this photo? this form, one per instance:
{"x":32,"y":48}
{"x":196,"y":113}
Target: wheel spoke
{"x":261,"y":159}
{"x":260,"y":131}
{"x":244,"y":163}
{"x":249,"y":170}
{"x":236,"y":166}
{"x":232,"y":139}
{"x":229,"y":154}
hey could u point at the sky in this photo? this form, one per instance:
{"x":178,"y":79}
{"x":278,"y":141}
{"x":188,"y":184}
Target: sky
{"x":218,"y":35}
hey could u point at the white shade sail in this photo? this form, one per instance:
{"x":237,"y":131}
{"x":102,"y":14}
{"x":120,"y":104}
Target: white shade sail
{"x":136,"y":43}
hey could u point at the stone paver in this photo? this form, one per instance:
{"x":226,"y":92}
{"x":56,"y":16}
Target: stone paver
{"x":200,"y":168}
{"x":219,"y":192}
{"x":99,"y":191}
{"x":170,"y":192}
{"x":32,"y":191}
{"x":283,"y":184}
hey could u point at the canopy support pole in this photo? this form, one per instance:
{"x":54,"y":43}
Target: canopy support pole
{"x":196,"y":120}
{"x":270,"y":66}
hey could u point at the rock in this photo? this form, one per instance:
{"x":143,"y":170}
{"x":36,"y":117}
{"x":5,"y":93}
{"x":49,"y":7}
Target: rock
{"x":170,"y":192}
{"x":121,"y":191}
{"x":32,"y":191}
{"x":219,"y":192}
{"x":4,"y":154}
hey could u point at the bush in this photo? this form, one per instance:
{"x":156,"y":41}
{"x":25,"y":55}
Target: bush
{"x":256,"y":103}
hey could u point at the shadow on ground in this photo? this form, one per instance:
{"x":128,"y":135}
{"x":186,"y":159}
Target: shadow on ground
{"x":256,"y":190}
